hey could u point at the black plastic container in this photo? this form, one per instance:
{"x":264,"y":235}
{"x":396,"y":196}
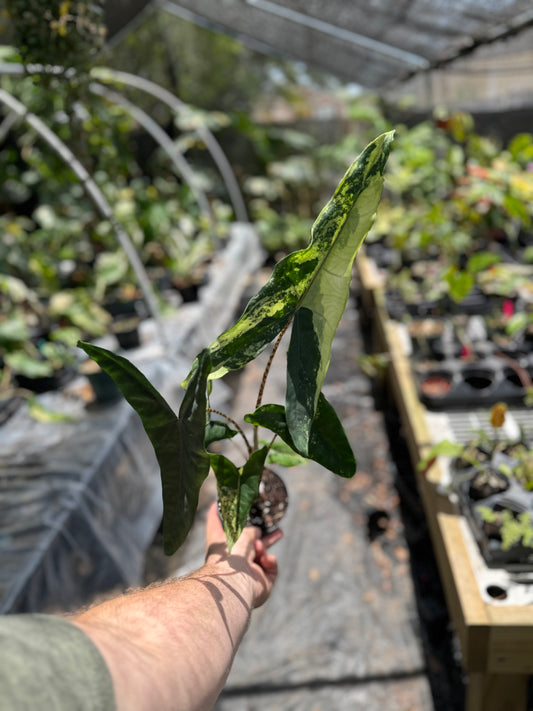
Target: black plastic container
{"x":477,"y":384}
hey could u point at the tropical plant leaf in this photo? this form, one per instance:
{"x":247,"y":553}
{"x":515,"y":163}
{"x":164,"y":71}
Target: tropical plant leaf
{"x":217,"y":430}
{"x":481,"y":260}
{"x":328,"y":444}
{"x":338,"y":233}
{"x":28,"y":365}
{"x":178,"y":441}
{"x":316,"y":278}
{"x":446,"y":448}
{"x":237,"y":490}
{"x":13,"y":328}
{"x":460,"y":283}
{"x":279,"y":452}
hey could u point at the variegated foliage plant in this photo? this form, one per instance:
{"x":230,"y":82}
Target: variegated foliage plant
{"x":309,"y":290}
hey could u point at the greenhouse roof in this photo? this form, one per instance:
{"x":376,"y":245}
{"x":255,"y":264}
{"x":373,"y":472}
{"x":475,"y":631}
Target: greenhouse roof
{"x":370,"y":42}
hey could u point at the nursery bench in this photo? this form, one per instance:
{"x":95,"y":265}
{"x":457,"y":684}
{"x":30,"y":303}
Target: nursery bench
{"x":496,"y":639}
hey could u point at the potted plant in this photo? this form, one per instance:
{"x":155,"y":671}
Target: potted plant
{"x":308,"y":290}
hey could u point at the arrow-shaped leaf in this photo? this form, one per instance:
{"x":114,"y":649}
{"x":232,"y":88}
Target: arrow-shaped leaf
{"x":337,"y":235}
{"x":178,"y":441}
{"x":317,"y":277}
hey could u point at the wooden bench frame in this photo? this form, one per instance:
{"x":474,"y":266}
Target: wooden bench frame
{"x":496,"y":641}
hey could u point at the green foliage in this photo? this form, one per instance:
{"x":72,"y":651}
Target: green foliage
{"x":446,"y":448}
{"x":299,"y":281}
{"x":61,"y":256}
{"x":450,"y":192}
{"x":283,"y":454}
{"x":206,"y":69}
{"x":523,"y":470}
{"x":298,"y":289}
{"x":216,"y":430}
{"x":71,"y":34}
{"x":374,"y":365}
{"x":459,"y":282}
{"x":514,"y":529}
{"x":327,"y":443}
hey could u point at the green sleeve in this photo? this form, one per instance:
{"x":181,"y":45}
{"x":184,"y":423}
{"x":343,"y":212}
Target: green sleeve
{"x":48,"y":663}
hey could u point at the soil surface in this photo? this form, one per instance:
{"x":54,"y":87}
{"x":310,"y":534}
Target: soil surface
{"x":357,"y":619}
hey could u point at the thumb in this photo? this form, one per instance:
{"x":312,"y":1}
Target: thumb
{"x":214,"y":531}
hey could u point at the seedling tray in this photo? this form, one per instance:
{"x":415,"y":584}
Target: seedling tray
{"x":449,"y":384}
{"x":515,"y":498}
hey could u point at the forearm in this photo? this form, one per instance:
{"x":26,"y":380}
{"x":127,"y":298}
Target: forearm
{"x":171,"y":647}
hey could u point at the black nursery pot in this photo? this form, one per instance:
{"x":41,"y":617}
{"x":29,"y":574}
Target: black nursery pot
{"x":105,"y":389}
{"x":489,"y":487}
{"x":118,"y":307}
{"x":271,"y":504}
{"x":126,"y":332}
{"x":44,"y":384}
{"x":486,"y":483}
{"x":478,"y":378}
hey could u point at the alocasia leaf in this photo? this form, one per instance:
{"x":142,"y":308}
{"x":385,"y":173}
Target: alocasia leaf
{"x":337,"y":235}
{"x":315,"y":277}
{"x":328,"y":443}
{"x":311,"y":285}
{"x":237,"y":490}
{"x":178,"y":441}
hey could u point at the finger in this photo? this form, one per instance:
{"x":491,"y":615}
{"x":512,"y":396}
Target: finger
{"x":248,"y":539}
{"x":269,"y":564}
{"x":261,"y":551}
{"x":214,"y":531}
{"x":270,"y":538}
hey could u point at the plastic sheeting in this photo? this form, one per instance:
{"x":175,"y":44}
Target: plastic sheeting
{"x":80,"y":500}
{"x":371,"y":43}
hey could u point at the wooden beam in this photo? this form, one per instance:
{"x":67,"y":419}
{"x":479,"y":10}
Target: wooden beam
{"x":496,"y":640}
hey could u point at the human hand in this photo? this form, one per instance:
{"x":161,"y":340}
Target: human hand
{"x":248,"y":556}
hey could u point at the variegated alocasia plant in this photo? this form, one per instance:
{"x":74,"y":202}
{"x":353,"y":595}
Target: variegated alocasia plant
{"x":308,"y":290}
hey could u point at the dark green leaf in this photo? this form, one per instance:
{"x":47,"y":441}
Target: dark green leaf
{"x":217,"y":430}
{"x":178,"y":441}
{"x":328,"y":444}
